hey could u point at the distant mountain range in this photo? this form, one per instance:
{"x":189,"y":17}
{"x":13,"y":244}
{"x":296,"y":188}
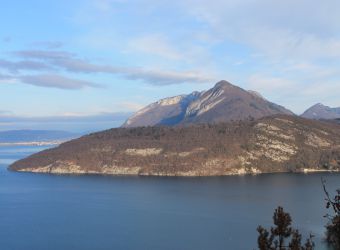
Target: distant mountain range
{"x":35,"y":136}
{"x":224,"y":102}
{"x":320,"y":111}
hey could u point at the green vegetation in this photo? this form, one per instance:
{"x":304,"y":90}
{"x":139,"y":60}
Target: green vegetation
{"x":282,"y":236}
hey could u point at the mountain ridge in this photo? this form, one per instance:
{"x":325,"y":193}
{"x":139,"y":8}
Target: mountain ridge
{"x":222,"y":103}
{"x":320,"y":111}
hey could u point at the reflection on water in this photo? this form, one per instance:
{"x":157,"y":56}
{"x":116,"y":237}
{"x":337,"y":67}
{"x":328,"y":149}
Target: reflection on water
{"x":103,"y":212}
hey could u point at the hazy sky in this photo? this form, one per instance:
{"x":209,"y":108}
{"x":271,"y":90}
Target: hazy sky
{"x":101,"y":58}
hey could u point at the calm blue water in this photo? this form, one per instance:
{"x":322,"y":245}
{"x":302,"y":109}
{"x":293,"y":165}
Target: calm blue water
{"x":40,"y":212}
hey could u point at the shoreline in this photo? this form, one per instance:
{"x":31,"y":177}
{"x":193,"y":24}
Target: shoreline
{"x":93,"y":173}
{"x":35,"y":143}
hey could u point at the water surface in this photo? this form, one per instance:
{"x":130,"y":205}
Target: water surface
{"x":39,"y":211}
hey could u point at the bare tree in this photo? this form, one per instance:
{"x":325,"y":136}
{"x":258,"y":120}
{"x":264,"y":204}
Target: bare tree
{"x":333,"y":225}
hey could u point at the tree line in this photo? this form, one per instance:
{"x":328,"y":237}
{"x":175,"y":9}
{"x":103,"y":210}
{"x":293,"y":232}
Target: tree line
{"x":282,"y":236}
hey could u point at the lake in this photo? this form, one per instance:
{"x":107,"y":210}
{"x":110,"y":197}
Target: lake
{"x":40,"y":212}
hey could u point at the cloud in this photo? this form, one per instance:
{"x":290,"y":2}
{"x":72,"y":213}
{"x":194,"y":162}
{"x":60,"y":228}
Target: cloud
{"x":70,"y":62}
{"x":265,"y":83}
{"x":56,"y":81}
{"x":15,"y":67}
{"x":327,"y":88}
{"x":289,"y":92}
{"x":284,"y":29}
{"x":7,"y":79}
{"x":289,"y":45}
{"x":132,"y":106}
{"x":44,"y":54}
{"x":312,"y":71}
{"x":160,"y":77}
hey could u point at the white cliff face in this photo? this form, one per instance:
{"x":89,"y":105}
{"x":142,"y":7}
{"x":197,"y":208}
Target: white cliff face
{"x":171,"y":100}
{"x":163,"y":104}
{"x":206,"y":103}
{"x":166,"y":102}
{"x":209,"y":106}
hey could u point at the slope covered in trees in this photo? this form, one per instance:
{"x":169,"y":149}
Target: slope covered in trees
{"x":274,"y":144}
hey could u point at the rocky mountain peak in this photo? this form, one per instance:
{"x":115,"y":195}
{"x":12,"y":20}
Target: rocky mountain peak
{"x":319,"y":105}
{"x":321,"y":111}
{"x":224,"y":102}
{"x":223,"y":84}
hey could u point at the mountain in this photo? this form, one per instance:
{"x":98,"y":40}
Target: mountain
{"x":226,"y":102}
{"x":35,"y":136}
{"x":279,"y":143}
{"x":320,"y":111}
{"x":167,"y":111}
{"x":223,"y":103}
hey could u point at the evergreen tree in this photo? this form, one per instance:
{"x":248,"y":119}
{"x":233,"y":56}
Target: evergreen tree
{"x":282,"y":236}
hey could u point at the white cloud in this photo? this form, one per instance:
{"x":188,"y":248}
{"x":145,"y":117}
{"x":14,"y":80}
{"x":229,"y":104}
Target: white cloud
{"x":327,"y":88}
{"x":267,"y":84}
{"x":284,"y":29}
{"x":131,"y":106}
{"x":17,"y":66}
{"x":70,"y":62}
{"x":56,"y":81}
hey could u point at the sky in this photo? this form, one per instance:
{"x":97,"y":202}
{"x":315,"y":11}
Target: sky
{"x":89,"y":64}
